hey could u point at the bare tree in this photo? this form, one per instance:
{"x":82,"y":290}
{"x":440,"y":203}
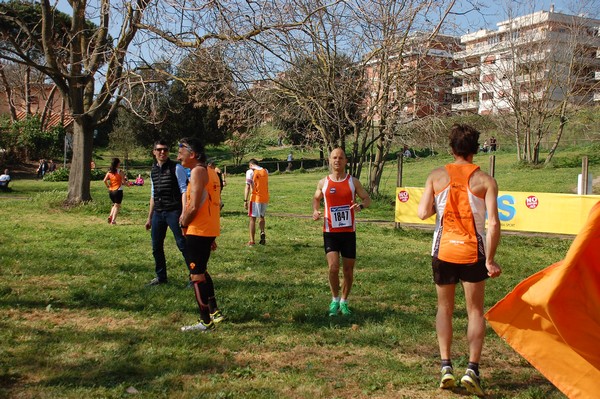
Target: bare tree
{"x":95,"y":71}
{"x":344,"y":70}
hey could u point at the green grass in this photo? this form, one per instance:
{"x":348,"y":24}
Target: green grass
{"x":77,"y":321}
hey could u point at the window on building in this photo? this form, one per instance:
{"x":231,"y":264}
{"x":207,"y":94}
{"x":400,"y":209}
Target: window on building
{"x":487,"y":96}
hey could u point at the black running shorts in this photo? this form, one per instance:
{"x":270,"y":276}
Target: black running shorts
{"x":116,"y":196}
{"x":344,"y":243}
{"x":452,"y":273}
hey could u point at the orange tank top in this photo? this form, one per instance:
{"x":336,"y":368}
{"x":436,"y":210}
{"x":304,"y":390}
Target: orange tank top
{"x":207,"y":222}
{"x":338,"y":197}
{"x":260,"y":193}
{"x":115,"y":180}
{"x":459,"y":235}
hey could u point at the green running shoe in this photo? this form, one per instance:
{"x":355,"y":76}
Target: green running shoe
{"x":217,"y":317}
{"x":448,"y":381}
{"x":334,"y":308}
{"x":344,"y":309}
{"x":472,"y":383}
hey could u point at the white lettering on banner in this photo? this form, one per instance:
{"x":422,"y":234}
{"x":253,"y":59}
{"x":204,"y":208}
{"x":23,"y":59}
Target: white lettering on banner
{"x":340,"y":216}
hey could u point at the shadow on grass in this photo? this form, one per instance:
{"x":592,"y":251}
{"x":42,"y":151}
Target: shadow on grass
{"x":136,"y":360}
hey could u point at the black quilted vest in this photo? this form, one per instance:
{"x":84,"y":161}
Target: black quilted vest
{"x":166,"y":189}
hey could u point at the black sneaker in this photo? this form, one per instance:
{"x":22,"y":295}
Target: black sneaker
{"x":156,"y":281}
{"x":263,"y":238}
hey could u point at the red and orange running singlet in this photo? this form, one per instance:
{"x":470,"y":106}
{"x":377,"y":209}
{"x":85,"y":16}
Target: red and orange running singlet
{"x":338,"y":198}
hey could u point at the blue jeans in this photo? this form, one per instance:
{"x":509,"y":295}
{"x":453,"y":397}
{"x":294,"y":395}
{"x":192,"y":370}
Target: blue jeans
{"x":160,"y":221}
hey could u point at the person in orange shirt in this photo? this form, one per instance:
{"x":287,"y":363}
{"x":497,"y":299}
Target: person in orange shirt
{"x":114,"y":182}
{"x":256,"y":199}
{"x":200,"y":223}
{"x":459,"y":194}
{"x":339,"y":190}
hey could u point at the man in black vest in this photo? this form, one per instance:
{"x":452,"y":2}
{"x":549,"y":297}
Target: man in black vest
{"x":167,"y":199}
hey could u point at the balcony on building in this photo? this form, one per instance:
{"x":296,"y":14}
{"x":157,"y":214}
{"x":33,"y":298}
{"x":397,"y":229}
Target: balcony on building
{"x":466,"y":88}
{"x":466,"y":72}
{"x":466,"y":106}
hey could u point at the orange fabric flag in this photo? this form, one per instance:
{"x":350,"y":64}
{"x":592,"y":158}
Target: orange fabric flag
{"x":553,"y":317}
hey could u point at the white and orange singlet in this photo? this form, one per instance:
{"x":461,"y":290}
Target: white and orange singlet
{"x":338,"y":197}
{"x":259,"y":177}
{"x":459,"y":235}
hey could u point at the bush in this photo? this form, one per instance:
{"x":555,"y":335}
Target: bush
{"x":62,"y":174}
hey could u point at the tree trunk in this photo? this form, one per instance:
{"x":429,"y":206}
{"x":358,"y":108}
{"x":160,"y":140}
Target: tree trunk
{"x":377,"y":169}
{"x":27,"y":91}
{"x":8,"y":93}
{"x":80,"y":172}
{"x":518,"y":141}
{"x":561,"y":129}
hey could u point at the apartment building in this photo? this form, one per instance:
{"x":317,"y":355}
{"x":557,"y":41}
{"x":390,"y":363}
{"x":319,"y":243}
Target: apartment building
{"x":420,"y":80}
{"x":544,"y":56}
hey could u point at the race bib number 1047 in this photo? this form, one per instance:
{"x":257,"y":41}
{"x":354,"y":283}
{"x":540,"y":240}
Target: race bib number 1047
{"x":340,"y":216}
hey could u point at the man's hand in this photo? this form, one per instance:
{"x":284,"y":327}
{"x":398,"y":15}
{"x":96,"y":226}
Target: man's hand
{"x":316,"y":215}
{"x":493,"y":268}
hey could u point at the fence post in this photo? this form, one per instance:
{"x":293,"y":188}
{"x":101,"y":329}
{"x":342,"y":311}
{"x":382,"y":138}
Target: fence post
{"x":492,"y":165}
{"x":584,"y":175}
{"x":277,"y":166}
{"x":398,"y":181}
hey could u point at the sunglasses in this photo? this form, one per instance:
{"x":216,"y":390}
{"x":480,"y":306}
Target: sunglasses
{"x":187,"y":147}
{"x":162,"y":149}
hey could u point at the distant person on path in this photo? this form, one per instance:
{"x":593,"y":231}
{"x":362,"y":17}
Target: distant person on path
{"x":459,"y":194}
{"x":42,"y":168}
{"x":290,"y":158}
{"x":4,"y":180}
{"x":339,"y":190}
{"x":51,"y":166}
{"x":114,"y":182}
{"x":256,"y":199}
{"x":167,"y":198}
{"x":493,"y":144}
{"x":485,"y":147}
{"x":200,"y":222}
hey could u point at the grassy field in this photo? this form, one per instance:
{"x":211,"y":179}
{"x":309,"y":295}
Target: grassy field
{"x":76,"y":319}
